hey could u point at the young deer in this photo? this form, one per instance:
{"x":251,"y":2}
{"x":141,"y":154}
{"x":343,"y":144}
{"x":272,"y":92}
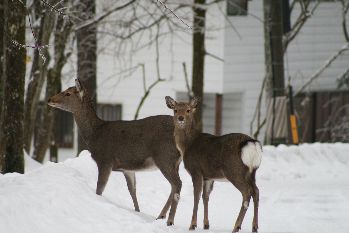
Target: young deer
{"x":125,"y":146}
{"x":233,"y":157}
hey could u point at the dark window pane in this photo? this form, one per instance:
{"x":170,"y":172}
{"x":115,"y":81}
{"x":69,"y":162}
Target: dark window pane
{"x":109,"y":112}
{"x":64,"y":129}
{"x":236,"y":7}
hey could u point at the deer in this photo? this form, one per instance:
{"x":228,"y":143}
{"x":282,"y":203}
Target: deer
{"x":208,"y":158}
{"x":125,"y":146}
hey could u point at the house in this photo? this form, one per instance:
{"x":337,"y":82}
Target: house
{"x":234,"y":73}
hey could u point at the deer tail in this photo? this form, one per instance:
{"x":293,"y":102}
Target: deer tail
{"x":251,"y":154}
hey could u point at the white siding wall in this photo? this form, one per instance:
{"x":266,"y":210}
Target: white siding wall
{"x":321,"y":37}
{"x":244,"y":64}
{"x":232,"y":112}
{"x":244,"y":58}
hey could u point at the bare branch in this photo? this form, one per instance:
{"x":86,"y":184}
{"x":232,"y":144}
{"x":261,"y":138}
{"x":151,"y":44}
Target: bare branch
{"x":189,"y":91}
{"x":102,"y":16}
{"x":300,"y":21}
{"x":166,"y":8}
{"x":257,"y":113}
{"x":229,"y":22}
{"x":214,"y":56}
{"x":53,"y":8}
{"x":345,"y":8}
{"x":323,"y":68}
{"x":158,"y":80}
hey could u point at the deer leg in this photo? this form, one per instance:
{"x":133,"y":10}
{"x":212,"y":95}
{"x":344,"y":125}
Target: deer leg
{"x":104,"y":171}
{"x":255,"y":196}
{"x":197,"y":184}
{"x":166,"y":207}
{"x":245,"y":190}
{"x":176,"y":185}
{"x":131,"y":184}
{"x":208,"y":187}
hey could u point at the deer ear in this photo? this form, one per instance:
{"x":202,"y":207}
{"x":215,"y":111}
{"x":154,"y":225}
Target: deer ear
{"x":194,"y":102}
{"x":79,"y":88}
{"x":171,"y":103}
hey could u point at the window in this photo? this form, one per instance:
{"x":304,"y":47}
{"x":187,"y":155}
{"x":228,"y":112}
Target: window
{"x":237,"y":7}
{"x":109,"y":112}
{"x":64,"y":129}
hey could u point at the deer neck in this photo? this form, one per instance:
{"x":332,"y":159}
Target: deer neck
{"x":87,"y":121}
{"x":184,"y":137}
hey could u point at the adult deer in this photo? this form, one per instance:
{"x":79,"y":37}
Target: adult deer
{"x":125,"y":146}
{"x":233,"y":157}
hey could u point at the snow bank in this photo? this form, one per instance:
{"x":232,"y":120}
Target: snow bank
{"x":58,"y":198}
{"x":30,"y":164}
{"x":61,"y":197}
{"x":318,"y":160}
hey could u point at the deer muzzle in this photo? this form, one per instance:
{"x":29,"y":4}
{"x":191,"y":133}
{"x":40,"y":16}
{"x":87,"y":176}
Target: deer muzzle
{"x":51,"y":103}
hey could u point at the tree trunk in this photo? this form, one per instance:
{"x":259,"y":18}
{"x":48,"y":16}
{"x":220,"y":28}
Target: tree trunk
{"x":38,"y":74}
{"x":14,"y":72}
{"x":87,"y":55}
{"x":199,"y":56}
{"x":273,"y":33}
{"x":267,"y":48}
{"x":274,"y":53}
{"x":2,"y":27}
{"x":45,"y":132}
{"x":53,"y":86}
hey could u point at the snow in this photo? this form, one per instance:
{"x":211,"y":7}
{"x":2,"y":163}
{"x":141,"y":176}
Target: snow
{"x":303,"y":189}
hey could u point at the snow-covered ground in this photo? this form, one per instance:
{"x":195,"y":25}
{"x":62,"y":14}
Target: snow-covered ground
{"x":303,"y":189}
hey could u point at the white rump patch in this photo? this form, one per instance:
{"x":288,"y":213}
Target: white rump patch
{"x":252,"y":155}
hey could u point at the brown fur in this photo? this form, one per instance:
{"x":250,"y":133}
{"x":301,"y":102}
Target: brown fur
{"x":125,"y":146}
{"x":207,"y":158}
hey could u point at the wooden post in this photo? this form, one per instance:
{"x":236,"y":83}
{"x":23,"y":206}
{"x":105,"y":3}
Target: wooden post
{"x":218,"y":117}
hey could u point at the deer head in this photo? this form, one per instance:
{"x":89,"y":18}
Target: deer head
{"x":183,"y":112}
{"x":69,"y":100}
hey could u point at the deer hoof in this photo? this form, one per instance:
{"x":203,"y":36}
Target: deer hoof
{"x":206,"y":226}
{"x":192,"y":227}
{"x":170,"y":223}
{"x":161,"y":217}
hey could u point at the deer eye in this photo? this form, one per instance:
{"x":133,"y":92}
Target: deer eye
{"x":67,"y":94}
{"x":188,"y":111}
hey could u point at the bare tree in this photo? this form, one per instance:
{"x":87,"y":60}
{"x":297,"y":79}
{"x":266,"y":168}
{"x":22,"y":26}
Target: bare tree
{"x":40,"y":63}
{"x":62,"y":32}
{"x":199,"y":53}
{"x":14,"y":31}
{"x":87,"y":54}
{"x":307,"y":9}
